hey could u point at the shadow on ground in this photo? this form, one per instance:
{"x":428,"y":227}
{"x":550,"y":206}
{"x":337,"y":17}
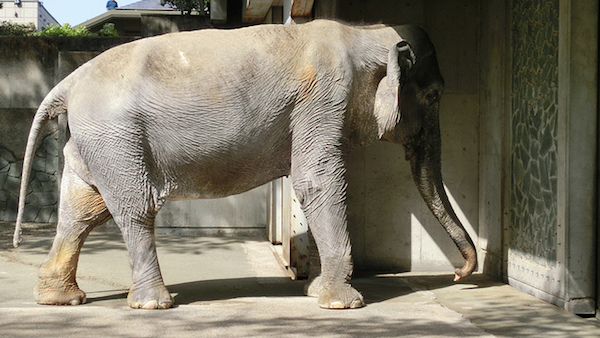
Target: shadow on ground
{"x":225,"y":304}
{"x":375,"y":289}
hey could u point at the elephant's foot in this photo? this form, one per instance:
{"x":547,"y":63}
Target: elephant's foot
{"x":149,"y":298}
{"x":340,"y":296}
{"x":53,"y":292}
{"x":313,"y":287}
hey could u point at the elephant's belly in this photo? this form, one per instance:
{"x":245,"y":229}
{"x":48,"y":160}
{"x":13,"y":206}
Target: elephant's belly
{"x":204,"y":182}
{"x":200,"y":161}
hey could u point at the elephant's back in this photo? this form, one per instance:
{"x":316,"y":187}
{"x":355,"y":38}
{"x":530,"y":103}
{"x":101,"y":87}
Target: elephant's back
{"x":211,"y":109}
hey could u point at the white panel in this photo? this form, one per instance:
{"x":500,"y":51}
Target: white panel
{"x":244,"y":210}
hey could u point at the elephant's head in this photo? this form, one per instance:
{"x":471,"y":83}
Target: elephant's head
{"x":407,"y":112}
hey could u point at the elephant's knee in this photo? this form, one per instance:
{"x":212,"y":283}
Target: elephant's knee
{"x":310,"y":187}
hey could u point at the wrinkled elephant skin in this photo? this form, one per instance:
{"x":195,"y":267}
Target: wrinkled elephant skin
{"x":212,"y":113}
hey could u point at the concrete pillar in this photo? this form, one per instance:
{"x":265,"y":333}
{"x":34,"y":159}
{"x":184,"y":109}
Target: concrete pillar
{"x":578,"y":109}
{"x":493,"y":106}
{"x":255,"y":11}
{"x":326,"y":9}
{"x":218,"y":11}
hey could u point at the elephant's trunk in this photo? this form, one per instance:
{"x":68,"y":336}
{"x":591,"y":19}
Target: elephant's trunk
{"x":425,"y":162}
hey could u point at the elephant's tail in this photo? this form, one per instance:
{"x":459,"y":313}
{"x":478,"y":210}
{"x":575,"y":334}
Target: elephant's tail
{"x":53,"y":105}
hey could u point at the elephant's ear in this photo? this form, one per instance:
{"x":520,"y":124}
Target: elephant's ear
{"x":401,"y":59}
{"x":387,"y":100}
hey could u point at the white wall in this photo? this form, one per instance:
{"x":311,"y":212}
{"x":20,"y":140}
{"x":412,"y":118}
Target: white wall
{"x":390,"y":225}
{"x":239,"y":212}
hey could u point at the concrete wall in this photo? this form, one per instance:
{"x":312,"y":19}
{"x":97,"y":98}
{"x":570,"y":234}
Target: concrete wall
{"x":390,"y":226}
{"x":519,"y":127}
{"x":578,"y":104}
{"x":538,"y":207}
{"x":152,"y":25}
{"x":239,"y":214}
{"x":493,"y":101}
{"x":30,"y":67}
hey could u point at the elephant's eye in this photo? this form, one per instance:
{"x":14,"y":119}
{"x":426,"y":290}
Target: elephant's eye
{"x":433,"y":96}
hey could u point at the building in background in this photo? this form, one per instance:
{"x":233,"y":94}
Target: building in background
{"x":25,"y":12}
{"x":144,"y":18}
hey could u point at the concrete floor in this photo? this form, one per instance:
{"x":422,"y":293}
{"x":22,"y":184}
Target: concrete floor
{"x":234,"y":287}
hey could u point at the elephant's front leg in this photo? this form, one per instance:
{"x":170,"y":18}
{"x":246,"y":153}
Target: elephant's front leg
{"x":148,"y":290}
{"x":314,"y":284}
{"x":319,"y":182}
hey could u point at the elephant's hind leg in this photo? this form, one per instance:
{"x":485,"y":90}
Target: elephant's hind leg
{"x":148,"y":290}
{"x":133,"y":201}
{"x":134,"y":210}
{"x":81,"y":209}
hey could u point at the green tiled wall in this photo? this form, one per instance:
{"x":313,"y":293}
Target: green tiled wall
{"x":533,"y":209}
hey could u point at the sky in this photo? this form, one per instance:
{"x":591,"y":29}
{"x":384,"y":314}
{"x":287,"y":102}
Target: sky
{"x":75,"y":12}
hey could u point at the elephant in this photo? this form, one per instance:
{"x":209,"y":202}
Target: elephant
{"x":211,"y":113}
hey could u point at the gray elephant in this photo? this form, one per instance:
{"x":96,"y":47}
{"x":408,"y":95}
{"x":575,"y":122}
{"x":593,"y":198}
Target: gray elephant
{"x":213,"y":113}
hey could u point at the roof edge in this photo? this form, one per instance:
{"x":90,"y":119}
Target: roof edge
{"x":107,"y":16}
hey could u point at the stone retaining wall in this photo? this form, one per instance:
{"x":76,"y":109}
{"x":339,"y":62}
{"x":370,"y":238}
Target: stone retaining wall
{"x":30,"y":67}
{"x":42,"y":195}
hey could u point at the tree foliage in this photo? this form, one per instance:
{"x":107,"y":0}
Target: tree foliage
{"x":15,"y":29}
{"x":64,"y":30}
{"x":108,"y":30}
{"x":189,"y":6}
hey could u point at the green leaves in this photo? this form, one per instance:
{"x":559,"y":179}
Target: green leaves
{"x":64,"y":30}
{"x":14,"y":29}
{"x":108,"y":30}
